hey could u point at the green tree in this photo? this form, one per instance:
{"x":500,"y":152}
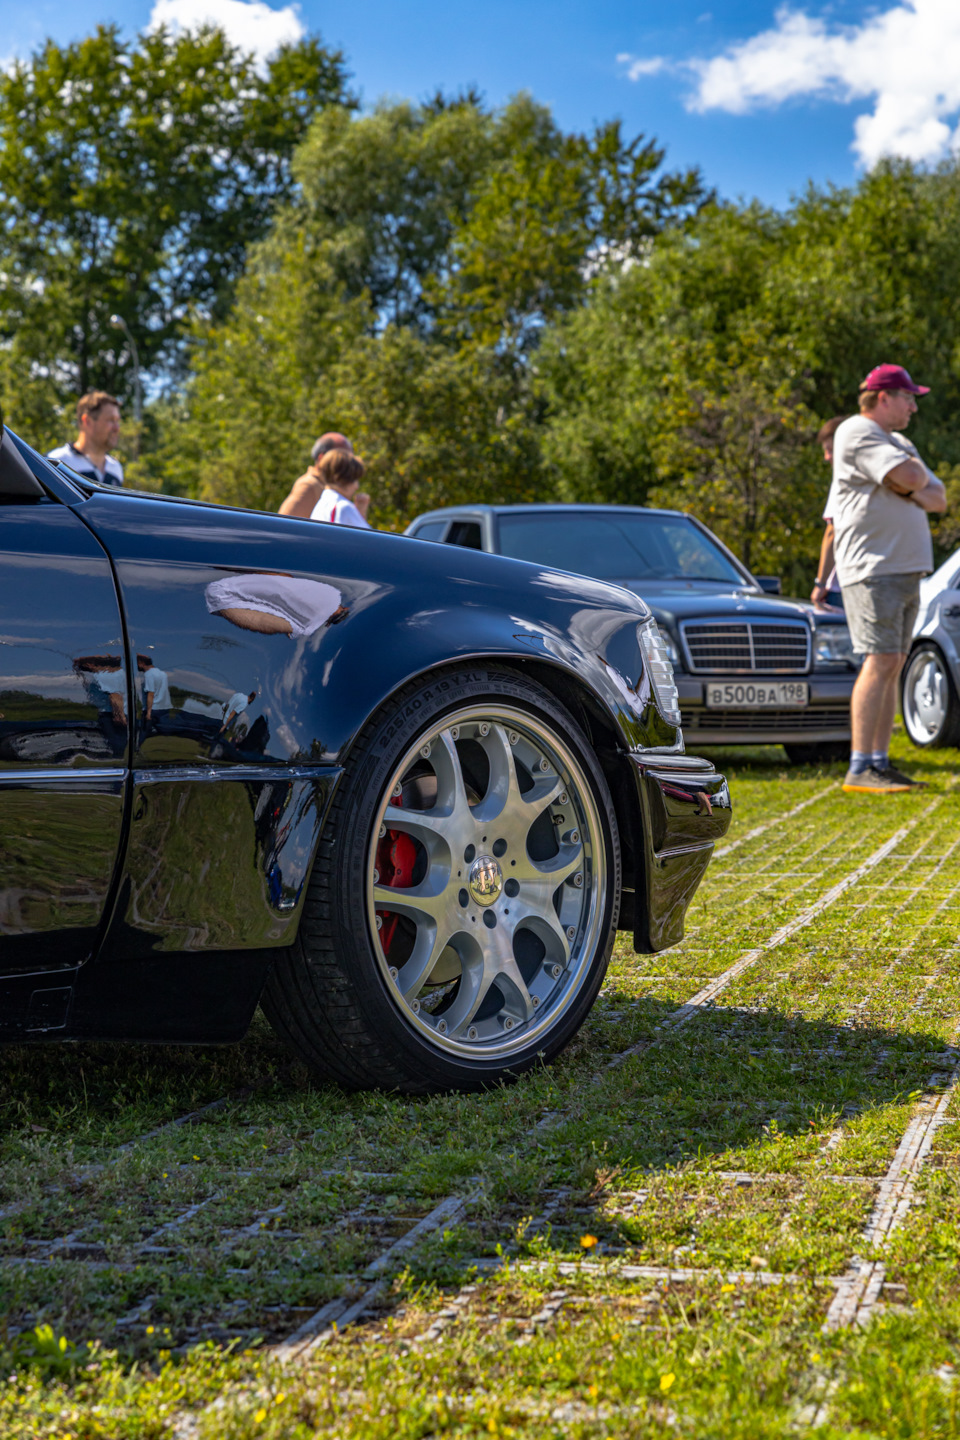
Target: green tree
{"x":446,"y":234}
{"x":133,"y":177}
{"x":436,"y":427}
{"x":734,"y":447}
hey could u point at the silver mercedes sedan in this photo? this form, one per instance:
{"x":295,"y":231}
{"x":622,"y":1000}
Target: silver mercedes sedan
{"x":931,"y":676}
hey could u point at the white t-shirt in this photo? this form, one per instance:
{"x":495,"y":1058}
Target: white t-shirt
{"x":307,"y":604}
{"x":338,"y":511}
{"x":155,"y":683}
{"x":875,"y":531}
{"x":111,"y":474}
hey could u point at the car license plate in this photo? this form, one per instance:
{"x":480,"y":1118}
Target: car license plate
{"x":758,"y":695}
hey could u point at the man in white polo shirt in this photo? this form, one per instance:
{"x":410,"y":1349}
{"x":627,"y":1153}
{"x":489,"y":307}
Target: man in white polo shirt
{"x":98,"y":424}
{"x":879,"y":499}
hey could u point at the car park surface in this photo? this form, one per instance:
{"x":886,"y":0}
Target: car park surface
{"x":404,"y":799}
{"x":751,"y":668}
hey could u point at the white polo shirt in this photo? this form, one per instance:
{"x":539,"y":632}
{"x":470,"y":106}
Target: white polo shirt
{"x":111,"y":474}
{"x":333,"y":508}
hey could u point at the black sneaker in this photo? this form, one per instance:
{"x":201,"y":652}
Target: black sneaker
{"x":876,"y":782}
{"x":901,"y":779}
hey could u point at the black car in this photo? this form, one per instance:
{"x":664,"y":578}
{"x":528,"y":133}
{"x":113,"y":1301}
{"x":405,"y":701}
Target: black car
{"x":751,"y":668}
{"x":400,"y":796}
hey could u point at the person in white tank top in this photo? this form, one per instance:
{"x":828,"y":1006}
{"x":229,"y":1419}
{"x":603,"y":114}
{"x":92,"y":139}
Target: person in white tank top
{"x":341,"y":502}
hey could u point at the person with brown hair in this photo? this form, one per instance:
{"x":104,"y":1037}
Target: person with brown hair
{"x":98,"y":425}
{"x":340,"y":502}
{"x":826,"y":588}
{"x":306,"y":490}
{"x":880,"y":497}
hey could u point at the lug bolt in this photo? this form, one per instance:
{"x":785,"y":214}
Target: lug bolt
{"x":472,"y":1033}
{"x":571,"y":932}
{"x":376,"y":877}
{"x":441,"y":1027}
{"x":562,"y":798}
{"x":574,"y":837}
{"x":425,"y":751}
{"x":394,"y":972}
{"x":508,"y":1023}
{"x":455,"y":732}
{"x":484,"y":728}
{"x":536,"y":1001}
{"x":556,"y":971}
{"x":415,"y":1006}
{"x":383,"y":831}
{"x":514,"y":738}
{"x":578,"y":880}
{"x":544,"y":764}
{"x":379,"y":922}
{"x":397,"y":790}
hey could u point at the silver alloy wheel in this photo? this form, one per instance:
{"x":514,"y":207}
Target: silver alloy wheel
{"x":926,"y":697}
{"x":496,"y":935}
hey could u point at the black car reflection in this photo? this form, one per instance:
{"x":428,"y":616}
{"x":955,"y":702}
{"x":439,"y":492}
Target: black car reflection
{"x":401,"y":797}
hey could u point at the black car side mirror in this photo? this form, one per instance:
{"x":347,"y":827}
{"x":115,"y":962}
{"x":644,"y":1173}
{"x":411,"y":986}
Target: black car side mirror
{"x":769,"y":584}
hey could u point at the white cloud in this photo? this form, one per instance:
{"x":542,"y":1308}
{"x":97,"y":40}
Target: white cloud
{"x":250,"y":24}
{"x":906,"y":60}
{"x":637,"y":67}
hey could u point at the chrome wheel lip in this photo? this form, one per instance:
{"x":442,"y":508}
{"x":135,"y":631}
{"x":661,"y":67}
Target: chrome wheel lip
{"x":925,"y":697}
{"x":586,"y":895}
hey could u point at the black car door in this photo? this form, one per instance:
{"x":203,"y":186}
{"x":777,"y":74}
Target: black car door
{"x":64,"y":743}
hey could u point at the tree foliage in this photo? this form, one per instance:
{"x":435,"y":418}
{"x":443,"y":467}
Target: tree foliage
{"x":133,"y":177}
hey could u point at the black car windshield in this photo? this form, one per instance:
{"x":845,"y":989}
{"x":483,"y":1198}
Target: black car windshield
{"x":616,"y":546}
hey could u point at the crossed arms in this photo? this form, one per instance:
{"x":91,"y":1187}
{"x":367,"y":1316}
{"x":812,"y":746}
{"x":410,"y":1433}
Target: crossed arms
{"x":916,"y":483}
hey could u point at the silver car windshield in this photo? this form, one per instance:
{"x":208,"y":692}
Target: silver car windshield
{"x":616,"y":546}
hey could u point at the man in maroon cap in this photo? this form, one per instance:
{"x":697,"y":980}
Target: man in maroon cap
{"x":879,"y":499}
{"x":308,"y":489}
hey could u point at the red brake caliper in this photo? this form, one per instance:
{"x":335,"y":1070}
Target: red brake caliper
{"x":396,"y":857}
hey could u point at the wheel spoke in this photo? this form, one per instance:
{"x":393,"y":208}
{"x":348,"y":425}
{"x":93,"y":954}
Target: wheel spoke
{"x":419,"y":902}
{"x":539,"y":916}
{"x":559,"y":867}
{"x":503,"y":799}
{"x":475,"y":980}
{"x":451,"y":787}
{"x":429,"y":945}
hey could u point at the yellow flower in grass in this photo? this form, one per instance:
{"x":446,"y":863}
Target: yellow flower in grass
{"x":666,"y":1382}
{"x":260,"y":1416}
{"x":588,"y":1241}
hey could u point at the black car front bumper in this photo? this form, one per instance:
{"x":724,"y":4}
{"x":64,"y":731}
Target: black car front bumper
{"x":684,"y":808}
{"x":826,"y":717}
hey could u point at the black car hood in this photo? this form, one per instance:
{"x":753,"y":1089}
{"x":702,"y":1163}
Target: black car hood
{"x":675,"y":600}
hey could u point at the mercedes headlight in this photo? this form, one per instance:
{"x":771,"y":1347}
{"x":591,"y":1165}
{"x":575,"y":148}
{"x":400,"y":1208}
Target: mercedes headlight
{"x":831,"y":646}
{"x":659,"y":668}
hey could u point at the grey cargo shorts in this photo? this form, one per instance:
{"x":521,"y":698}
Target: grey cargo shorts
{"x":881,"y":612}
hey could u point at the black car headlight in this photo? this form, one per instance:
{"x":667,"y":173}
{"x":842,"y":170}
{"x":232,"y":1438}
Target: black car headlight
{"x":831,"y":646}
{"x":659,"y":668}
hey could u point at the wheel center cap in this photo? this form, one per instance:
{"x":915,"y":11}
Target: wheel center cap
{"x":486,"y":880}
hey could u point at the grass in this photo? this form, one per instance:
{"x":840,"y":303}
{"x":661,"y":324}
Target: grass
{"x":740,"y":1154}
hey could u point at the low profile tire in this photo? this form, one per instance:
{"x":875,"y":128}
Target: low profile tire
{"x":464,"y":901}
{"x":928,"y":700}
{"x":827,"y":752}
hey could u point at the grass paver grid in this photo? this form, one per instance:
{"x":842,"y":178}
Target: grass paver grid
{"x":661,"y":1254}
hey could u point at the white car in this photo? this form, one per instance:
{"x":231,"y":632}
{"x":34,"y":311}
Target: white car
{"x":931,"y":677}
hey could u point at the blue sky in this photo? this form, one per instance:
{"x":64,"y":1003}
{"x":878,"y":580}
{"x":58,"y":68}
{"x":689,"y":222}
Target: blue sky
{"x":764,"y":97}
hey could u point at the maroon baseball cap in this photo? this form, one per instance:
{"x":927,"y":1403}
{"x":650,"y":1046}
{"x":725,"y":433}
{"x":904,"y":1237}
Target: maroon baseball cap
{"x":892,"y":377}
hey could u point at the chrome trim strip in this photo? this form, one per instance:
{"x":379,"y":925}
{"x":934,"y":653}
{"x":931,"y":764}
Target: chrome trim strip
{"x":747,"y":626}
{"x":280,"y":773}
{"x":62,"y":772}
